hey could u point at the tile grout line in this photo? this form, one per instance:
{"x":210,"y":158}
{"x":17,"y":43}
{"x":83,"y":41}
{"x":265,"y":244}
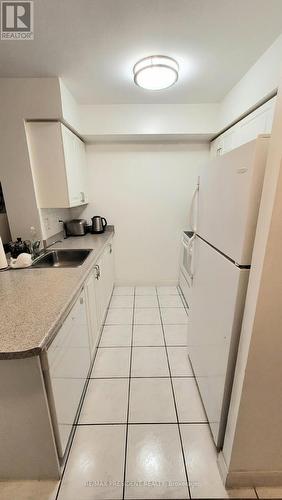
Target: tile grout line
{"x":103,"y":326}
{"x":185,"y":305}
{"x":175,"y":406}
{"x":128,"y":401}
{"x":140,"y":346}
{"x":75,"y":427}
{"x":140,"y":423}
{"x":142,"y":376}
{"x":256,"y":493}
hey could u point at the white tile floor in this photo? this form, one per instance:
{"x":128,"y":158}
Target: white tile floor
{"x":142,"y":431}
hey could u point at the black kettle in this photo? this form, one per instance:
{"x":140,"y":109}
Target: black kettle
{"x":99,"y":224}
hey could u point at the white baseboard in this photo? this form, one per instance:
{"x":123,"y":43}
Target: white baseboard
{"x":245,"y":479}
{"x":146,"y":283}
{"x":222,"y":466}
{"x":240,"y":479}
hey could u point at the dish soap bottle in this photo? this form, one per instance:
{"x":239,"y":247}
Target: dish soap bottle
{"x":3,"y":260}
{"x":34,"y":243}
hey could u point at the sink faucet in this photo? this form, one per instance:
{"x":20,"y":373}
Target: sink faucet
{"x":53,"y":243}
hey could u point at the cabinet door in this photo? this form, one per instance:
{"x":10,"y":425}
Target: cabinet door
{"x":104,"y":282}
{"x":258,"y":122}
{"x":230,"y":139}
{"x":82,"y":170}
{"x":58,"y":162}
{"x":109,"y":271}
{"x":216,"y":147}
{"x":92,"y":312}
{"x":75,"y":166}
{"x":100,"y":279}
{"x":68,"y":365}
{"x":48,"y":164}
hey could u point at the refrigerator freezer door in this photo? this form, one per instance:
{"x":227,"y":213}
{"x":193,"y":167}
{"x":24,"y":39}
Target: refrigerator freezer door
{"x":216,"y":312}
{"x":229,"y":198}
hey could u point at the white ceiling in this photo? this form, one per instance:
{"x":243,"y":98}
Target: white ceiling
{"x":93,"y":44}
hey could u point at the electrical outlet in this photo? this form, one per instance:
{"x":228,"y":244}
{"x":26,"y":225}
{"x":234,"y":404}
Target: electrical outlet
{"x":47,"y":223}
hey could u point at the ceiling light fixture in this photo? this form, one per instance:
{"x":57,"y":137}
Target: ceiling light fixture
{"x":156,"y":72}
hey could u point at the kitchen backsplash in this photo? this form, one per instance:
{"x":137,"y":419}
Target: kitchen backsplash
{"x":50,"y":220}
{"x":84,"y":212}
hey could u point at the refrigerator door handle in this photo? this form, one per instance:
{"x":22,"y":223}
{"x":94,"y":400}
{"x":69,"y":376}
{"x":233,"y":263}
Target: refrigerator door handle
{"x":193,"y":223}
{"x":189,"y":248}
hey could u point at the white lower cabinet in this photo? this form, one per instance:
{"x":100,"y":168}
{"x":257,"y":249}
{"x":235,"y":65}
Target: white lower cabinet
{"x":42,"y":394}
{"x":67,"y":361}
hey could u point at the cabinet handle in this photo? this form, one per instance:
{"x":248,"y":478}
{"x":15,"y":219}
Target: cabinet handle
{"x":98,"y":271}
{"x":111,"y":248}
{"x":82,"y":195}
{"x":81,"y":300}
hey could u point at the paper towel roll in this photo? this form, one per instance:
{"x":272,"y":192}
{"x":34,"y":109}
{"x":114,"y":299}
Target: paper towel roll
{"x":3,"y":260}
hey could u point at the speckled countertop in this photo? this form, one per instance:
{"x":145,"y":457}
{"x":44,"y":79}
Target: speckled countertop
{"x":33,"y":302}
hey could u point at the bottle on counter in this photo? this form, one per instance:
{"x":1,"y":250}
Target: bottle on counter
{"x":3,"y":259}
{"x":18,"y":247}
{"x":34,"y":243}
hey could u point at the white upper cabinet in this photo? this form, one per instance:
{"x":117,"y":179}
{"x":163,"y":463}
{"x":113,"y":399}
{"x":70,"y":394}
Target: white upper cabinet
{"x":58,"y":162}
{"x":225,"y":142}
{"x":256,"y":123}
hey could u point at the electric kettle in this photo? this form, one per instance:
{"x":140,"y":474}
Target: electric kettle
{"x":99,"y":224}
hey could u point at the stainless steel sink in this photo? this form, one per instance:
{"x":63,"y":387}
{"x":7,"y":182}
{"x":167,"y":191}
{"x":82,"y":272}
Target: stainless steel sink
{"x":61,"y":258}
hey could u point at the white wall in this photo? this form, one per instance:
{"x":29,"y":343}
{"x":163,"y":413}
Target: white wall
{"x":136,"y":121}
{"x":23,"y":98}
{"x":260,"y":81}
{"x":50,"y":220}
{"x":48,"y":98}
{"x":145,"y":191}
{"x":70,"y":109}
{"x":148,"y":120}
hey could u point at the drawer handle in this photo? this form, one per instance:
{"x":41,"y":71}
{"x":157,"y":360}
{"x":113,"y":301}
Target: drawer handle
{"x":98,"y":271}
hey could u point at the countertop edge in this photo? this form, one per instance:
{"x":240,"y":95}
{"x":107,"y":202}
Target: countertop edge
{"x":51,"y":334}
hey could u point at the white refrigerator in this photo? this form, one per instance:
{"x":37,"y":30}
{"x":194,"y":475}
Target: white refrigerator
{"x":227,"y":208}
